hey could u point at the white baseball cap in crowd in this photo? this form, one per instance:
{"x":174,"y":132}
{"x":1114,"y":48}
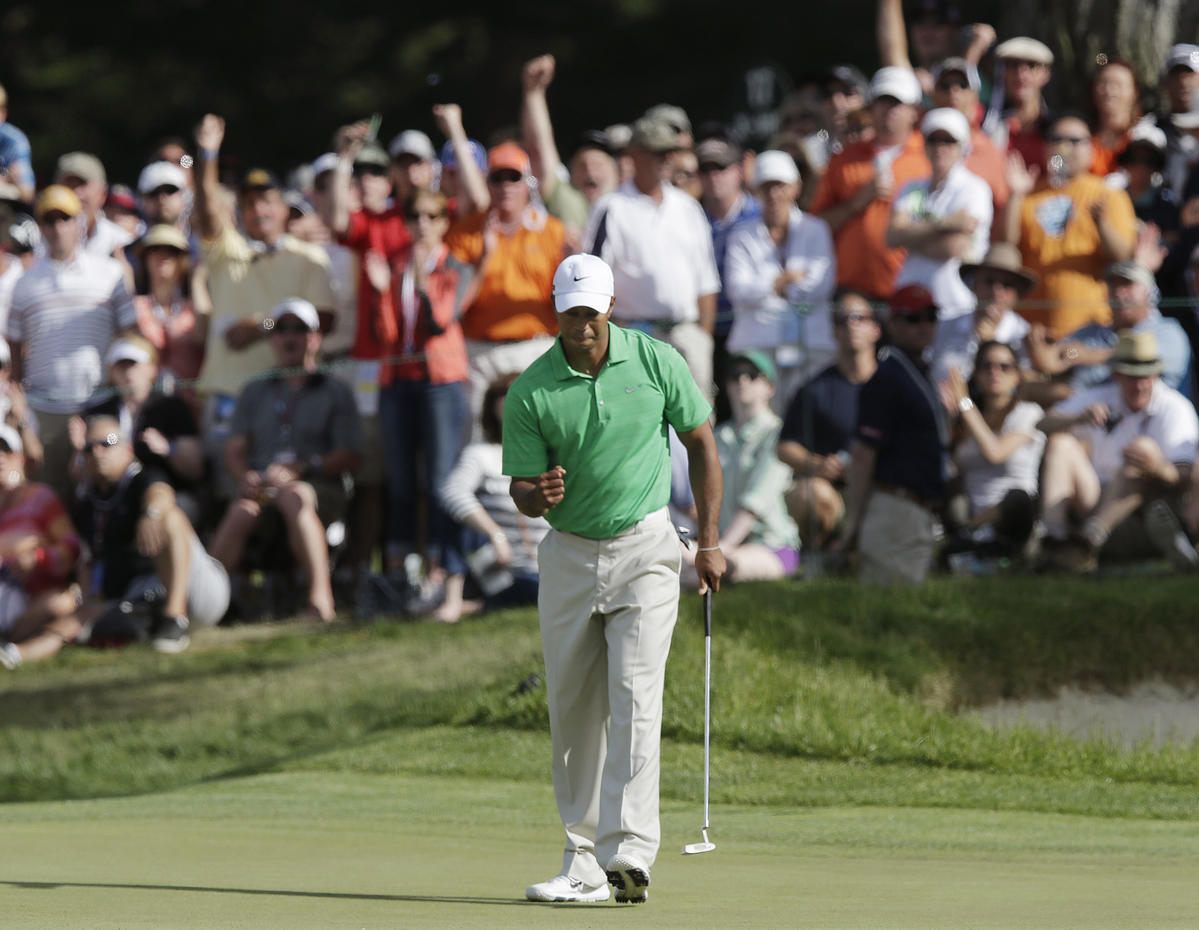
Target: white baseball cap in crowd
{"x":583,"y":281}
{"x":412,"y":142}
{"x":946,"y":119}
{"x":323,"y":163}
{"x":897,"y":82}
{"x":126,"y":350}
{"x":11,"y":438}
{"x":773,"y":165}
{"x":160,"y":174}
{"x":1182,"y":55}
{"x":300,"y":308}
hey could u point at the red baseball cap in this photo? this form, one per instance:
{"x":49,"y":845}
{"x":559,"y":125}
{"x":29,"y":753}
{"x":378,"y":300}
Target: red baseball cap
{"x":911,"y":298}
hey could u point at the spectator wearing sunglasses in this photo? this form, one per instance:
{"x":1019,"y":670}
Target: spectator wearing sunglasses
{"x":997,"y":449}
{"x":899,"y":457}
{"x":293,"y":436}
{"x":956,"y":85}
{"x":820,"y":422}
{"x":516,"y":245}
{"x":942,"y":220}
{"x":1117,"y":465}
{"x":757,"y":535}
{"x":1069,"y":226}
{"x":997,"y":283}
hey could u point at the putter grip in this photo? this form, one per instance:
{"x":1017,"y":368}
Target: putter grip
{"x":708,"y":612}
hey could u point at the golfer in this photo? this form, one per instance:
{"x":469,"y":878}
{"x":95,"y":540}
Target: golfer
{"x":585,"y":442}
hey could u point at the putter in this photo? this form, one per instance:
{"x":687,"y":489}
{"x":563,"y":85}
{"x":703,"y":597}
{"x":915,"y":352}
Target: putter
{"x":692,"y":849}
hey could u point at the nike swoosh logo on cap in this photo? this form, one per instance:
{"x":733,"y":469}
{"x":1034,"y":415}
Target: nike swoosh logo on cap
{"x":581,"y":277}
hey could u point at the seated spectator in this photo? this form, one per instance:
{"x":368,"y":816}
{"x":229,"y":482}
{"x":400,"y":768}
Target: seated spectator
{"x":997,"y":448}
{"x":423,"y":406}
{"x":161,"y":427}
{"x":15,"y":412}
{"x":66,"y":311}
{"x":1115,"y":108}
{"x":896,"y":484}
{"x":1069,"y":226}
{"x":293,"y":435}
{"x":475,"y":494}
{"x":172,"y":304}
{"x":757,"y":535}
{"x":1112,"y":450}
{"x":943,"y":220}
{"x":142,"y":546}
{"x":820,"y":423}
{"x":779,"y":274}
{"x":38,"y":550}
{"x":997,"y":282}
{"x":1083,"y":355}
{"x":861,"y":181}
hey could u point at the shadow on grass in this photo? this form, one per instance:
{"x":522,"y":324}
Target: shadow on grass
{"x":272,"y":892}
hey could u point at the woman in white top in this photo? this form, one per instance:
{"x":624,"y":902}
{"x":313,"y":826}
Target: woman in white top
{"x":998,"y":448}
{"x":503,"y":562}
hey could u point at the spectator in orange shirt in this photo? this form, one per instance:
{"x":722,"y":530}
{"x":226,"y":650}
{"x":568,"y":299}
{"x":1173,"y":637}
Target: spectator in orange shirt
{"x":516,"y":246}
{"x":1070,"y":226}
{"x":858,"y":187}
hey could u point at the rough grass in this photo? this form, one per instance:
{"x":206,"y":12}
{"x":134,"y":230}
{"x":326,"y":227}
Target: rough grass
{"x":824,"y":693}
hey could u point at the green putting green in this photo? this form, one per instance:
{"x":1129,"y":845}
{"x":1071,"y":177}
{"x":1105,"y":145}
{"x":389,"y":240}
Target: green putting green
{"x":301,"y":849}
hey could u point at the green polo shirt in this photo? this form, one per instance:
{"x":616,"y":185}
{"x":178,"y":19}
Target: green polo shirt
{"x":608,"y":432}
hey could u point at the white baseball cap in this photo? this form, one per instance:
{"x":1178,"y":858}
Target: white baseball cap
{"x":124,"y":350}
{"x":326,"y":162}
{"x":1182,"y":55}
{"x":773,"y":165}
{"x":412,"y":142}
{"x":160,"y":174}
{"x":300,"y":308}
{"x":897,"y":82}
{"x":583,"y":281}
{"x":11,"y":438}
{"x":946,"y":119}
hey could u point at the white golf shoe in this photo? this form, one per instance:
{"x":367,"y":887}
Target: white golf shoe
{"x":564,"y":888}
{"x":629,"y":877}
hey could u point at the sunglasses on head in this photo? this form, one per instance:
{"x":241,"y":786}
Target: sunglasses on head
{"x":112,"y":439}
{"x":505,"y":176}
{"x":918,"y":316}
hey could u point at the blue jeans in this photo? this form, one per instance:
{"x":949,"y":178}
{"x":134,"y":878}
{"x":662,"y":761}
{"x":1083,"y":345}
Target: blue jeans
{"x":422,"y":424}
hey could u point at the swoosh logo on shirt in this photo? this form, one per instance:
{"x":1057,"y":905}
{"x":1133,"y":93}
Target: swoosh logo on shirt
{"x":630,"y":390}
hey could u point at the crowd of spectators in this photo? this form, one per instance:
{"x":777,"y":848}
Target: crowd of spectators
{"x":944,"y":324}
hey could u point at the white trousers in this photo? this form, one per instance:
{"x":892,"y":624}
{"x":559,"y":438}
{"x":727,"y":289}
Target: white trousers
{"x":608,"y":609}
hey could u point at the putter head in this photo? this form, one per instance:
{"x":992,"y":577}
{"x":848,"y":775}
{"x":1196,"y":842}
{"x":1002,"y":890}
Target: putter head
{"x":692,"y":849}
